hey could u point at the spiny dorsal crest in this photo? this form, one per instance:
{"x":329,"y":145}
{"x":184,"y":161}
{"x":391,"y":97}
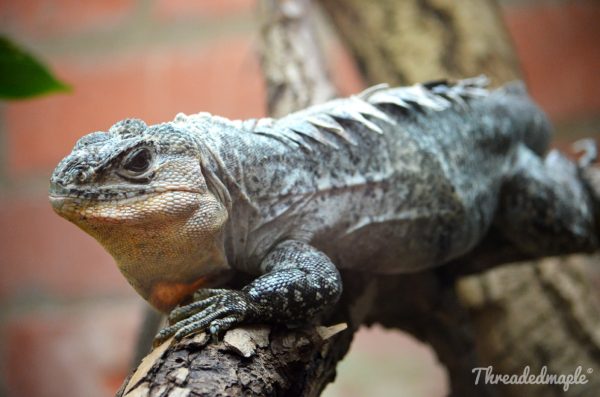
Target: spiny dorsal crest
{"x":321,"y":123}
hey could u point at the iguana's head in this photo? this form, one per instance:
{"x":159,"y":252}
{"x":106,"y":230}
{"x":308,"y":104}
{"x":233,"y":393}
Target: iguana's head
{"x":140,"y":191}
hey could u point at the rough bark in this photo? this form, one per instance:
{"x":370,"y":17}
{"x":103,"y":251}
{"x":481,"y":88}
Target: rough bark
{"x":293,"y":64}
{"x":403,"y":42}
{"x":537,"y":314}
{"x":510,"y":317}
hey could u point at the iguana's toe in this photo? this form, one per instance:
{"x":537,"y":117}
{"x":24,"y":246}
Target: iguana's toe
{"x":216,"y":313}
{"x":183,"y":312}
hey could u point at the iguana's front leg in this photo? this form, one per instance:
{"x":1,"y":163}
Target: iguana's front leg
{"x":298,"y":282}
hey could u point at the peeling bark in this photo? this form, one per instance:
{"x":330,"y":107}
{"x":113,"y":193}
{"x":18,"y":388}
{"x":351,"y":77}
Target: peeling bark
{"x":250,"y":361}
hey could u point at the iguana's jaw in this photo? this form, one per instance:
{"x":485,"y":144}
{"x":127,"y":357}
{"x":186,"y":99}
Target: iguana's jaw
{"x":167,"y":244}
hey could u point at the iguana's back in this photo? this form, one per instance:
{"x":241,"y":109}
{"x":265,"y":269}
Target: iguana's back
{"x":411,"y":173}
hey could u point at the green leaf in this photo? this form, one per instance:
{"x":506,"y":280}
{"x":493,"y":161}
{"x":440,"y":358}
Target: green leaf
{"x":22,"y":76}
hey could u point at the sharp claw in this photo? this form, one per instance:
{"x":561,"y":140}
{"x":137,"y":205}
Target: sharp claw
{"x":589,"y":151}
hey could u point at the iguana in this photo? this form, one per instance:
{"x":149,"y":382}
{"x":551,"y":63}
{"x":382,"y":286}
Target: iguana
{"x":386,"y":181}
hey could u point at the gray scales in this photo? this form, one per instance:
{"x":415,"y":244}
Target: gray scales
{"x":386,"y":181}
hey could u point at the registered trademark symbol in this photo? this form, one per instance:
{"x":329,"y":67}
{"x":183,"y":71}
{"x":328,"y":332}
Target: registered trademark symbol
{"x":590,"y":370}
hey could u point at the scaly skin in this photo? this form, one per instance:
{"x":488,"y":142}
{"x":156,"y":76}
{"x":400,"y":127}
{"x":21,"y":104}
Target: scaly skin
{"x":389,"y":181}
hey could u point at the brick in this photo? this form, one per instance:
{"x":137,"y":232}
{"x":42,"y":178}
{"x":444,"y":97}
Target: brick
{"x":47,"y":18}
{"x":223,"y":78}
{"x":72,"y":350}
{"x":343,"y":71}
{"x":558,"y":47}
{"x":185,"y":9}
{"x":42,"y":254}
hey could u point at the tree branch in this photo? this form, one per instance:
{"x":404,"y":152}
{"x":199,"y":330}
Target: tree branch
{"x":293,"y":63}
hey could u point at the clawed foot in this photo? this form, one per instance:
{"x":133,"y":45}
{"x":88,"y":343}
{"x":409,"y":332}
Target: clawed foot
{"x":589,"y":152}
{"x":214,"y":310}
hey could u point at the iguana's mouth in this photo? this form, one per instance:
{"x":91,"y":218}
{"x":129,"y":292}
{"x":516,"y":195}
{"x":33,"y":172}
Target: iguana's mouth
{"x":124,"y":207}
{"x":59,"y":194}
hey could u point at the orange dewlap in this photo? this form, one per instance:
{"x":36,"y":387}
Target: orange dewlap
{"x":166,"y":295}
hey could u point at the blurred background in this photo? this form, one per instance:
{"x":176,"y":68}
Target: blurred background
{"x":68,"y":319}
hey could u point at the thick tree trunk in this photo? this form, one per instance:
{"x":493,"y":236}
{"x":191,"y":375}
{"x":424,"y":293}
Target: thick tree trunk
{"x":500,"y":318}
{"x":403,"y":42}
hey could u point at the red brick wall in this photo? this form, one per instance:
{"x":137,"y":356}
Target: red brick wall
{"x":68,"y":317}
{"x":559,"y":47}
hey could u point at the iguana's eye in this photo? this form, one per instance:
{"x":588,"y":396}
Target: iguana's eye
{"x":138,"y":162}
